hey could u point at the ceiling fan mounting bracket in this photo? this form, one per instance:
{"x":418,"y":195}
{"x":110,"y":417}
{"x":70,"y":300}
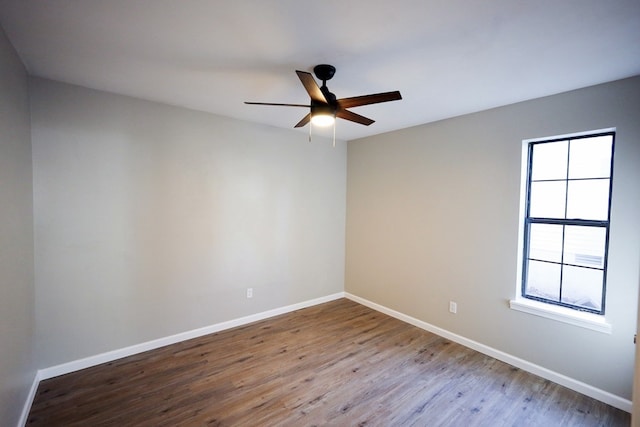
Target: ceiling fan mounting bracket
{"x":324,"y":72}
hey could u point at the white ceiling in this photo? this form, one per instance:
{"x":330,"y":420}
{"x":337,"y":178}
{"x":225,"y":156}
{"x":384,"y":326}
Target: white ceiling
{"x":447,"y":57}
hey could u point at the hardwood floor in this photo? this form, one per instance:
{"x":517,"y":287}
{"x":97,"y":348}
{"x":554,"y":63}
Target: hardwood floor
{"x":338,"y":364}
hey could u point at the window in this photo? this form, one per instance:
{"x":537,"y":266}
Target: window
{"x":566,"y":224}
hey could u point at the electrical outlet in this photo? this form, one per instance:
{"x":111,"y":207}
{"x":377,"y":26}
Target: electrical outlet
{"x":249,"y":292}
{"x":453,"y":307}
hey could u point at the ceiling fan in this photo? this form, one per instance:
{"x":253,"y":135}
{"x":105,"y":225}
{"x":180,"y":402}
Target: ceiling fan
{"x":325,"y":107}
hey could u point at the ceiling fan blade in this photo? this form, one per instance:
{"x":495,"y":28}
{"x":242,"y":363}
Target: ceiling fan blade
{"x":376,"y":98}
{"x":311,"y":86}
{"x":304,"y":121}
{"x":278,"y":105}
{"x":353,"y":117}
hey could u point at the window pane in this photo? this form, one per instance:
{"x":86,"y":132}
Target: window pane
{"x":590,"y":157}
{"x":543,"y":280}
{"x":547,"y":199}
{"x":549,"y":160}
{"x":545,"y":242}
{"x":584,"y":246}
{"x":582,"y":287}
{"x":588,"y":199}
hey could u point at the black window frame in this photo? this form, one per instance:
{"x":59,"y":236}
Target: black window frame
{"x":528,"y":220}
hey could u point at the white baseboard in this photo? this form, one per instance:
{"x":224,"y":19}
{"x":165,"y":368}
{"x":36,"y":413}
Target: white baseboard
{"x":87,"y":362}
{"x":98,"y":359}
{"x":29,"y":401}
{"x":573,"y":384}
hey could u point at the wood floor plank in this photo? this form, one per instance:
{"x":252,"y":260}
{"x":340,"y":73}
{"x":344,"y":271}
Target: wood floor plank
{"x":338,"y":364}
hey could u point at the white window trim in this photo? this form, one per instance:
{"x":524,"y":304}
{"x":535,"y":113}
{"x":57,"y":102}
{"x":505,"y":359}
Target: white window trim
{"x":595,"y":322}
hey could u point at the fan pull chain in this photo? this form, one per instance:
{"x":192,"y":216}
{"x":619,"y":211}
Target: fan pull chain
{"x":334,"y":133}
{"x":310,"y":131}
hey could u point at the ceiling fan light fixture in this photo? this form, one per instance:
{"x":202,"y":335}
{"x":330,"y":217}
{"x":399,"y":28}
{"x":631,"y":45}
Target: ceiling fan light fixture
{"x":323,"y":119}
{"x":323,"y":115}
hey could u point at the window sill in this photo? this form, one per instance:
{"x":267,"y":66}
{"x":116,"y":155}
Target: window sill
{"x":591,"y":321}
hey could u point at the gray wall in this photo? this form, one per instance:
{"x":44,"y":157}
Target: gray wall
{"x":17,"y":370}
{"x":432,"y":216}
{"x":152,"y":220}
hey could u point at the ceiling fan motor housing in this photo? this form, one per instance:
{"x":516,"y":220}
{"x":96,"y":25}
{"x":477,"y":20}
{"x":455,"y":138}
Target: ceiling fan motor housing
{"x":318,"y":108}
